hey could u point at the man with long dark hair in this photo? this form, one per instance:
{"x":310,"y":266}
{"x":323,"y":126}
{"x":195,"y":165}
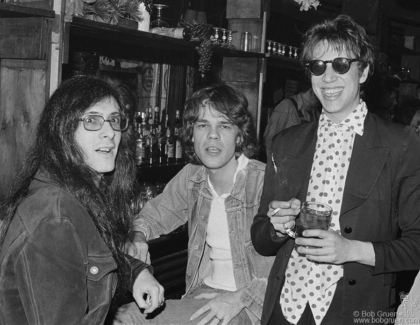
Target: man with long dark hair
{"x":66,"y":220}
{"x":217,"y":194}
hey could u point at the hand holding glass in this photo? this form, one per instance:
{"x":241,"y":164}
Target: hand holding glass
{"x":313,"y":215}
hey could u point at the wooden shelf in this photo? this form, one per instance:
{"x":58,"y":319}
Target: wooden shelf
{"x":284,"y":62}
{"x":97,"y":30}
{"x":228,"y":52}
{"x":86,"y":28}
{"x":8,"y":10}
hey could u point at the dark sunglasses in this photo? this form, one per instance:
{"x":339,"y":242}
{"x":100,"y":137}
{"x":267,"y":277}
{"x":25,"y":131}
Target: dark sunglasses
{"x":340,"y":65}
{"x":96,"y":122}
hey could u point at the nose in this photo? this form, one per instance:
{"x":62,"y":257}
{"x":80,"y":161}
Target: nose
{"x":107,"y":131}
{"x":329,"y":74}
{"x":213,"y":133}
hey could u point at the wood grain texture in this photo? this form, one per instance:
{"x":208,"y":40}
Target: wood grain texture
{"x":22,"y":98}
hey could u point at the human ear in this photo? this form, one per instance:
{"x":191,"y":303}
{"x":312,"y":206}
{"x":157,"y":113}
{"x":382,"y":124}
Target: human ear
{"x":364,"y":75}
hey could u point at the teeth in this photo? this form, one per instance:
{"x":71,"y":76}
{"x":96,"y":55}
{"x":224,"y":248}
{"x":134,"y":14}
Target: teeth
{"x":104,"y":150}
{"x":332,"y":91}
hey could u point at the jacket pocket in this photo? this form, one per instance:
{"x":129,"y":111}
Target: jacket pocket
{"x":101,"y":280}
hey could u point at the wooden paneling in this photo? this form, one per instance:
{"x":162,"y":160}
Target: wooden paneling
{"x":243,"y":9}
{"x":240,"y":69}
{"x":22,"y":98}
{"x":25,"y":38}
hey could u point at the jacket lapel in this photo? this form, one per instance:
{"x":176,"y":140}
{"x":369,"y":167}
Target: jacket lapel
{"x":301,"y":153}
{"x":366,"y":164}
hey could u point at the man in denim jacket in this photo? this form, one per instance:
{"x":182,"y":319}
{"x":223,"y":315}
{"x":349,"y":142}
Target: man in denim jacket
{"x":224,"y":274}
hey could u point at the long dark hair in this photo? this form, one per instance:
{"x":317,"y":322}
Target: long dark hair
{"x":56,"y":152}
{"x":226,"y":100}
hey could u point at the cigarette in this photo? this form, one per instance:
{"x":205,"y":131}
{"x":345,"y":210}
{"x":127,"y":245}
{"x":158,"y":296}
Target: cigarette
{"x":275,"y":211}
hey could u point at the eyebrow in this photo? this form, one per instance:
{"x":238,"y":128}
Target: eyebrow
{"x":98,"y":113}
{"x":201,"y":120}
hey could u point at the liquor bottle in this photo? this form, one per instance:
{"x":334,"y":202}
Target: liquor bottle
{"x":144,"y":135}
{"x":137,"y":119}
{"x":160,"y":148}
{"x":139,"y":151}
{"x":178,"y":146}
{"x":147,"y":151}
{"x":169,"y":148}
{"x":180,"y":32}
{"x":154,"y":142}
{"x":150,"y":113}
{"x":156,"y":117}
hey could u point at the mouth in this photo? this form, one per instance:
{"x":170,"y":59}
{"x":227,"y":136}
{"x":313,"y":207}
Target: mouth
{"x":104,"y":150}
{"x":213,"y":150}
{"x":332,"y":93}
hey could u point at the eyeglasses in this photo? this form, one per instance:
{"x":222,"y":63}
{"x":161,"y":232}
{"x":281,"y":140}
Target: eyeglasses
{"x":96,"y":122}
{"x":340,"y":65}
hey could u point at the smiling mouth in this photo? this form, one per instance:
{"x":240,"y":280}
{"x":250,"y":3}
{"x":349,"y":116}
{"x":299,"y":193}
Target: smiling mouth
{"x":104,"y":150}
{"x":332,"y":93}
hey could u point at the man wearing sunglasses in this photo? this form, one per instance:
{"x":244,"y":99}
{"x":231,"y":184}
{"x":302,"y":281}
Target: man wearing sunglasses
{"x":367,"y":169}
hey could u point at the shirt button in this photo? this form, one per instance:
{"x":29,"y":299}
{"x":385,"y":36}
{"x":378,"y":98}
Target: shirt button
{"x":189,"y":275}
{"x":196,"y":247}
{"x":352,"y":282}
{"x":202,"y":217}
{"x":94,"y":270}
{"x":348,"y":230}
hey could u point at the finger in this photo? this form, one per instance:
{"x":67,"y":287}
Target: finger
{"x":283,"y":212}
{"x":199,"y":312}
{"x":209,"y":295}
{"x":279,"y":204}
{"x":295,"y":203}
{"x":317,"y":233}
{"x":143,"y":303}
{"x":207,"y":319}
{"x":154,"y":300}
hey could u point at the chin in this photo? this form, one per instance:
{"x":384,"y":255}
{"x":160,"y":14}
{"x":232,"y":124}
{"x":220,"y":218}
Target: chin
{"x":105,"y":169}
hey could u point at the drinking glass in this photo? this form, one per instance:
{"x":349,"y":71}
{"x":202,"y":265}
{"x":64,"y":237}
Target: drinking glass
{"x":313,"y":215}
{"x":159,"y":22}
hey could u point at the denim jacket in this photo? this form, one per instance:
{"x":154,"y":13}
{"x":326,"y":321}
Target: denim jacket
{"x":187,"y":198}
{"x":55,"y":267}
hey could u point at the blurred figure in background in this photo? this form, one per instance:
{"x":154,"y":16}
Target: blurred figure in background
{"x":415,"y":122}
{"x":407,"y":109}
{"x":300,"y":108}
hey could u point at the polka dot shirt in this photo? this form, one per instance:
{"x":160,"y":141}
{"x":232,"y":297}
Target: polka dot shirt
{"x":306,"y":281}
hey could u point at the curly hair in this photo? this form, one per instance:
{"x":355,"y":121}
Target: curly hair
{"x":56,"y":152}
{"x":341,"y":33}
{"x":228,"y":101}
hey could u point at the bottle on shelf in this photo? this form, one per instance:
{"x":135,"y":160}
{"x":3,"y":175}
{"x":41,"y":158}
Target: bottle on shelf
{"x":150,"y":114}
{"x":169,"y":147}
{"x":156,"y":118}
{"x":160,"y":149}
{"x":179,"y":32}
{"x":177,"y":128}
{"x":144,"y":135}
{"x":137,"y":120}
{"x":140,"y":145}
